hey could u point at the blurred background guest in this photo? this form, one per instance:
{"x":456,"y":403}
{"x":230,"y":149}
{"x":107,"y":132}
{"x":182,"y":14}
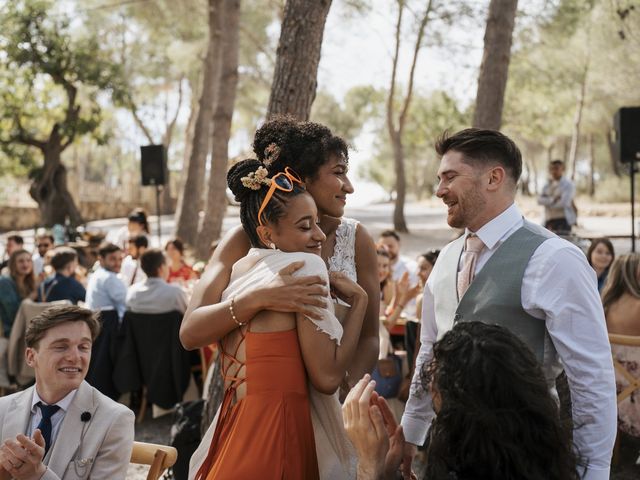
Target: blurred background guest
{"x":600,"y":256}
{"x":14,"y":242}
{"x":44,"y":243}
{"x":137,"y":225}
{"x":63,"y":285}
{"x":179,"y":270}
{"x":19,"y":284}
{"x":130,"y":271}
{"x":154,"y":294}
{"x":621,"y":301}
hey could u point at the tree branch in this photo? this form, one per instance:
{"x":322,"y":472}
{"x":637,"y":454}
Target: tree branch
{"x":416,"y":51}
{"x":134,"y":111}
{"x":168,"y":134}
{"x":392,"y":87}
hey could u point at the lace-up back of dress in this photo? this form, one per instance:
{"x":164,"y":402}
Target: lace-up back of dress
{"x":234,"y":368}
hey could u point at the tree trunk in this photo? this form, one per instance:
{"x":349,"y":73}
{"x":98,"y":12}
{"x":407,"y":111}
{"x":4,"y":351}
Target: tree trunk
{"x":494,"y":69}
{"x":396,"y":132}
{"x":613,"y":158}
{"x":399,"y":222}
{"x":295,"y":77}
{"x":592,"y":163}
{"x":216,"y":195}
{"x":189,"y":214}
{"x":188,"y":139}
{"x":49,"y":190}
{"x":577,"y":121}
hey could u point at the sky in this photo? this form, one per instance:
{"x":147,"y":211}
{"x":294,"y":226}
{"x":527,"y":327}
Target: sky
{"x":358,"y":50}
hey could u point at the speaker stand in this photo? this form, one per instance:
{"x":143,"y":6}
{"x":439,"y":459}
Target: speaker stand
{"x":158,"y":215}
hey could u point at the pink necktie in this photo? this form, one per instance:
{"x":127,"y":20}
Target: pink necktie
{"x":472,"y":248}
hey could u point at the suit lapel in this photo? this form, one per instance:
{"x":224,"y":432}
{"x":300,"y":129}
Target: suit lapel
{"x":70,"y":434}
{"x":16,"y":419}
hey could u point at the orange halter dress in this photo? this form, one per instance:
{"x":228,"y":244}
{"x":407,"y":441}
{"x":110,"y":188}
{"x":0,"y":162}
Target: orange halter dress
{"x":267,"y":434}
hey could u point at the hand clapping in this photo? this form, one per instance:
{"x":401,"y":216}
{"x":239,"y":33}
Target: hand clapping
{"x":22,"y":458}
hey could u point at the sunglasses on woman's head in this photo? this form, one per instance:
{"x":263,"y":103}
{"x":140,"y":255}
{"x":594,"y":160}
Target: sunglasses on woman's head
{"x":282,"y":181}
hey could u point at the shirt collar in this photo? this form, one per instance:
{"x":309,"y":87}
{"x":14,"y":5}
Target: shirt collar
{"x":63,"y":404}
{"x":493,"y":231}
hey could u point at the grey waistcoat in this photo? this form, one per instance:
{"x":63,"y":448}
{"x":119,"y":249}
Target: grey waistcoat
{"x":494,"y":295}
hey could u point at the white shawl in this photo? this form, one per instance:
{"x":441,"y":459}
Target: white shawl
{"x":336,"y":456}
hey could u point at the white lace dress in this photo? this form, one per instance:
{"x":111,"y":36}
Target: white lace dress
{"x":343,"y":259}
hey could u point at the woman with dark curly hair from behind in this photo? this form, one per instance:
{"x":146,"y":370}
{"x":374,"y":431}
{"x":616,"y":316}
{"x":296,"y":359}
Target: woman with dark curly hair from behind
{"x":496,"y":419}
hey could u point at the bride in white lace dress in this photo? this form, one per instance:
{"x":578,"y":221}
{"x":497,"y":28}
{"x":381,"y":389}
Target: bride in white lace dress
{"x":321,"y":160}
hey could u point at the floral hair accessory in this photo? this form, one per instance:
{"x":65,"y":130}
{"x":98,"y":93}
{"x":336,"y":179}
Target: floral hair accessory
{"x":256,"y":179}
{"x":271,"y":154}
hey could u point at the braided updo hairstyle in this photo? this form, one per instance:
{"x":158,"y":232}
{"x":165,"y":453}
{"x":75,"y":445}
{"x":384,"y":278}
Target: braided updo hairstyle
{"x":303,"y":146}
{"x":250,"y":200}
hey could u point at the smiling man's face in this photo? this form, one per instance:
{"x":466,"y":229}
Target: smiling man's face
{"x":61,"y":359}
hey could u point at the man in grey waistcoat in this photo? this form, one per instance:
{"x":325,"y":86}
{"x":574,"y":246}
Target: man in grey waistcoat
{"x":505,"y":270}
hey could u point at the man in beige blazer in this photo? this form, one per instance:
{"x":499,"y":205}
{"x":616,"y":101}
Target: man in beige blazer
{"x":62,"y":427}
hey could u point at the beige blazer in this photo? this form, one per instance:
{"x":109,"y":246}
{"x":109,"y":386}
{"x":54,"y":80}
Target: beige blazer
{"x":98,"y":449}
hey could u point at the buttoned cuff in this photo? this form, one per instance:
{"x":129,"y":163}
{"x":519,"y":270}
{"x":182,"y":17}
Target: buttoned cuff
{"x":596,"y":474}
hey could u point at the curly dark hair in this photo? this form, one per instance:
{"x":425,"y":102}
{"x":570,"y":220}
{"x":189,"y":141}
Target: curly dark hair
{"x":497,"y":419}
{"x":250,"y":200}
{"x":304,"y":146}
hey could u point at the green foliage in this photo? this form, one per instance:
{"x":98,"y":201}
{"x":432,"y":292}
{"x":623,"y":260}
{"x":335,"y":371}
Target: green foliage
{"x":574,"y":42}
{"x":429,"y":117}
{"x":50,"y":80}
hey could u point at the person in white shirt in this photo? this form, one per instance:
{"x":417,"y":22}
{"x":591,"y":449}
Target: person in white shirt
{"x":130,"y":271}
{"x":44,"y":243}
{"x":155,"y":295}
{"x":105,"y":292}
{"x":557,"y":199}
{"x":557,"y":313}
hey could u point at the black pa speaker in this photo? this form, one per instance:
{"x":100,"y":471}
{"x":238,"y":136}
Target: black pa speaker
{"x":153,"y":164}
{"x":627,"y":125}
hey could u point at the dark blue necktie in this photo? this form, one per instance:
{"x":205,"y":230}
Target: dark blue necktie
{"x":45,"y":424}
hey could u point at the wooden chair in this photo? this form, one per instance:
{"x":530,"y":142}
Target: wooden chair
{"x":160,"y":457}
{"x":634,"y":382}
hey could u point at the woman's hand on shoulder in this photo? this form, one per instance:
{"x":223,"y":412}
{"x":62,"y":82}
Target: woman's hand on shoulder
{"x":289,"y":293}
{"x":346,"y":289}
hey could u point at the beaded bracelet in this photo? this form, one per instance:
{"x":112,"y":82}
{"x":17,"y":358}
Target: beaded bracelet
{"x":233,"y":315}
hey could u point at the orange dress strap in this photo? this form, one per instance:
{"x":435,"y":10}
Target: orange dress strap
{"x":227,"y":401}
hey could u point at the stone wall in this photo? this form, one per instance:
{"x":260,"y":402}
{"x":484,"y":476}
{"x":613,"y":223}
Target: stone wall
{"x":24,"y":218}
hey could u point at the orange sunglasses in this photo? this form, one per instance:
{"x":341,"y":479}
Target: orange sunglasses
{"x":282,"y":181}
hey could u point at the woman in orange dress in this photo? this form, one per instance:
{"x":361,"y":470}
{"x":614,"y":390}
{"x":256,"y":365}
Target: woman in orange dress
{"x":263,"y":428}
{"x":179,"y":270}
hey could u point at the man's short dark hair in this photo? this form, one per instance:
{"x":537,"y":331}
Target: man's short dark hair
{"x":390,"y":233}
{"x":16,"y":239}
{"x":139,"y":241}
{"x":56,"y":315}
{"x":62,"y":256}
{"x":46,"y":236}
{"x":151,"y":261}
{"x":484,"y":147}
{"x":557,"y":162}
{"x":107,"y":248}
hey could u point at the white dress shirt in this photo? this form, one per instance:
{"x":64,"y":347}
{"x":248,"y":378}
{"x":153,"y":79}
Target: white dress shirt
{"x":131,"y":271}
{"x":559,"y":287}
{"x":56,"y":418}
{"x":154,"y":295}
{"x":105,"y":291}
